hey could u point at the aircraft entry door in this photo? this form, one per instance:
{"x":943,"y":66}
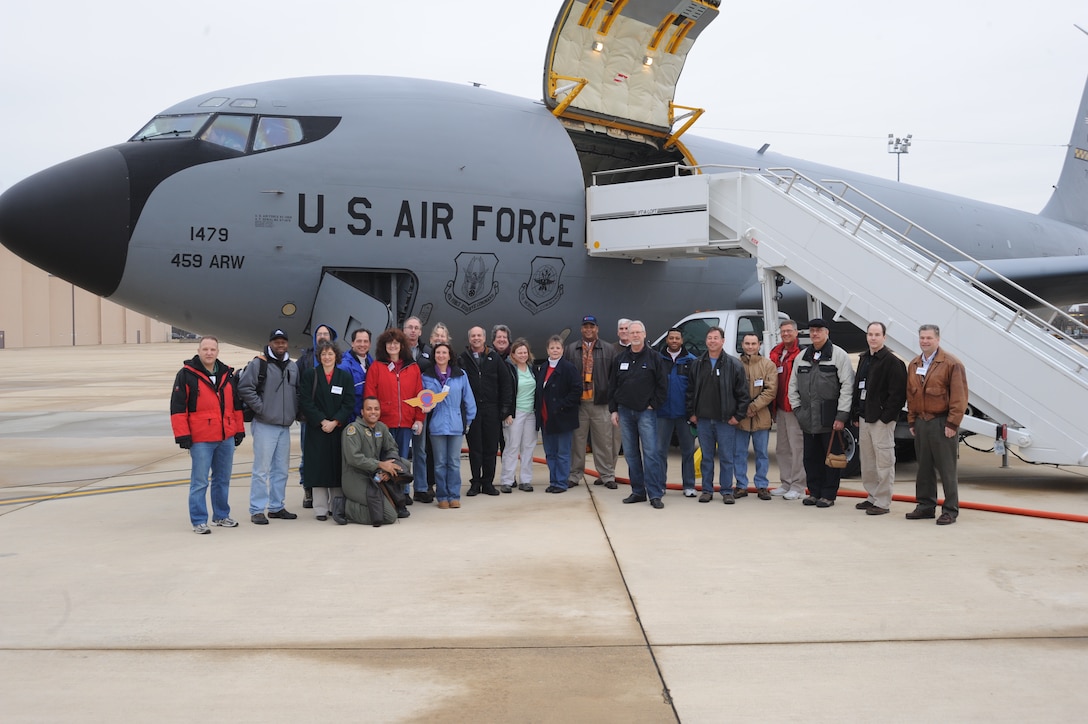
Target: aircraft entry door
{"x":347,"y":308}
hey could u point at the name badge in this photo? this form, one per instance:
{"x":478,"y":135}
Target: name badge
{"x":337,"y":390}
{"x":920,"y":372}
{"x":758,"y":383}
{"x":781,"y":369}
{"x":377,"y":434}
{"x":624,"y":365}
{"x":861,"y":385}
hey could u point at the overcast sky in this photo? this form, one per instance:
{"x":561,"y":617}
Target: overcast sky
{"x":988,"y":89}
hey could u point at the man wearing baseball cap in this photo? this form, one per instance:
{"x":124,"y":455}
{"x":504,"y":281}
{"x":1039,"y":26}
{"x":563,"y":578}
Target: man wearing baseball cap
{"x":594,"y":361}
{"x":269,"y":387}
{"x":821,"y":395}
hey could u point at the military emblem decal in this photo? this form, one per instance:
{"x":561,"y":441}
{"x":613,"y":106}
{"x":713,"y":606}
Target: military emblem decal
{"x":473,"y":285}
{"x":543,"y":289}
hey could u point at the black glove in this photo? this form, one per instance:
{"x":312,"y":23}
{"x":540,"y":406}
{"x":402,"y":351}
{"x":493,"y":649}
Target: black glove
{"x":185,"y":442}
{"x":238,"y":437}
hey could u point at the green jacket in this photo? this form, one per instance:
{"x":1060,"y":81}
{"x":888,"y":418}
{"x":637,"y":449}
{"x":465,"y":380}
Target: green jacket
{"x":363,"y":448}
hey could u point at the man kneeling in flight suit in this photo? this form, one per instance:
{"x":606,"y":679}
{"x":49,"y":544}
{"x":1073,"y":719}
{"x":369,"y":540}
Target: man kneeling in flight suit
{"x":373,"y":473}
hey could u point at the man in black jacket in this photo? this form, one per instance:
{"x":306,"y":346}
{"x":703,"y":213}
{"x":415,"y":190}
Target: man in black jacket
{"x":717,"y":402}
{"x":880,"y":391}
{"x":490,"y":383}
{"x":638,"y":387}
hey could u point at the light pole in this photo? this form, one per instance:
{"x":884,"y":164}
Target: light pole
{"x":898,"y":146}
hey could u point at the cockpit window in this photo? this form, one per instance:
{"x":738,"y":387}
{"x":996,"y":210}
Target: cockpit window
{"x":229,"y":131}
{"x":275,"y":132}
{"x":183,"y":126}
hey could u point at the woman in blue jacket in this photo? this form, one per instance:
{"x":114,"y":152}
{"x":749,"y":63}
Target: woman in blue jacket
{"x":450,"y":418}
{"x":558,"y":392}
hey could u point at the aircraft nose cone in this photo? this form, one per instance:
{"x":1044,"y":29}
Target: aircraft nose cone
{"x":73,"y":220}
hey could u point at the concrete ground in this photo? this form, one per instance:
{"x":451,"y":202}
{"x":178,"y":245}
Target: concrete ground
{"x":522,"y":607}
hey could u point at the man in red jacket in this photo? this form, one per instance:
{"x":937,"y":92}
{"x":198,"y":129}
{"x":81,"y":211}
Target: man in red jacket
{"x":790,"y":446}
{"x":206,"y":415}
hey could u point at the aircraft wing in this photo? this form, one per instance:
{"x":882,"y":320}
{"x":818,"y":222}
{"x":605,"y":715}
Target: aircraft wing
{"x":1060,"y":280}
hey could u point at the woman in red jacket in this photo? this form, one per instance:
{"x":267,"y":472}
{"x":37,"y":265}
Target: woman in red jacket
{"x":393,"y":378}
{"x":206,"y":415}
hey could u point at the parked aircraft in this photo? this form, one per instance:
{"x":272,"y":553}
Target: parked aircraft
{"x":361,"y":200}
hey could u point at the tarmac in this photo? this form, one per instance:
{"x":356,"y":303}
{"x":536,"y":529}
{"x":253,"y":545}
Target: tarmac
{"x":518,"y":608}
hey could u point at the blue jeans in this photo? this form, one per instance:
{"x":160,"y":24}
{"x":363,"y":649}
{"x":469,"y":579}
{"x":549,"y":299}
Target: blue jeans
{"x":760,"y":440}
{"x":639,"y":431}
{"x":219,"y":458}
{"x":447,"y":466}
{"x":665,"y":427}
{"x":271,"y":456}
{"x":557,"y":453}
{"x":723,"y":436}
{"x":419,"y":460}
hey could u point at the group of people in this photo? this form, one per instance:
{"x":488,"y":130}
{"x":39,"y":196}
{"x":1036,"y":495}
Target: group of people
{"x":364,"y":414}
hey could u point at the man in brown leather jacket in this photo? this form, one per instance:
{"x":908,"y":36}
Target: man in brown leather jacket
{"x":936,"y":403}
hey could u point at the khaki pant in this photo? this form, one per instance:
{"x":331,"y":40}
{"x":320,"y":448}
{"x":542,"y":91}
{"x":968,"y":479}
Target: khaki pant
{"x":596,"y":419}
{"x":877,"y":450}
{"x":790,"y":453}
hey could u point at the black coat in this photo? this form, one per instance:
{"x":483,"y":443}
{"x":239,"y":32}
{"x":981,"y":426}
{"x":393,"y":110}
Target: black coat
{"x":321,"y":455}
{"x":561,"y":396}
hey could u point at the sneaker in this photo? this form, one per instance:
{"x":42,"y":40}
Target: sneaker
{"x":791,"y":495}
{"x":728,"y":499}
{"x":810,"y":500}
{"x":779,"y":491}
{"x":225,"y":523}
{"x":824,"y":503}
{"x":258,"y":518}
{"x":740,"y":492}
{"x":282,"y":513}
{"x":506,"y":489}
{"x":689,"y":492}
{"x":201,"y":529}
{"x":763,"y":494}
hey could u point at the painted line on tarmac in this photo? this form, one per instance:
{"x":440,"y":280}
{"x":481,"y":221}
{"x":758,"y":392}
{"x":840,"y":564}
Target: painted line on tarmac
{"x":102,"y":491}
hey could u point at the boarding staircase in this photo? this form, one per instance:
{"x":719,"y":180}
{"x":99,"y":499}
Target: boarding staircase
{"x":1028,"y":380}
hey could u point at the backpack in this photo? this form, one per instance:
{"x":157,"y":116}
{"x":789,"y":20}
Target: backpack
{"x":247,"y":411}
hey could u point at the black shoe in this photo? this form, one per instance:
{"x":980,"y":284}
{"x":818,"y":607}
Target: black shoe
{"x":876,"y":510}
{"x":337,"y":511}
{"x":728,"y":499}
{"x":322,"y":518}
{"x":573,"y":483}
{"x":423,"y":496}
{"x":282,"y":513}
{"x":810,"y":500}
{"x":308,"y":497}
{"x":473,"y":489}
{"x":656,"y":503}
{"x":824,"y":503}
{"x":864,"y":505}
{"x":632,"y":498}
{"x":403,"y":512}
{"x":611,"y":485}
{"x":598,"y":481}
{"x":489,"y":489}
{"x":555,"y":489}
{"x":946,"y":519}
{"x":921,"y":514}
{"x":258,"y":518}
